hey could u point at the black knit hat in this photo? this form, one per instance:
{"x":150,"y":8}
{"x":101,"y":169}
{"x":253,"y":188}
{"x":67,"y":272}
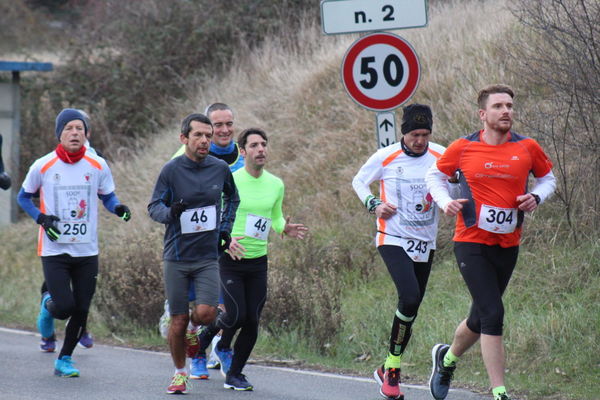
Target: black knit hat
{"x":416,"y":116}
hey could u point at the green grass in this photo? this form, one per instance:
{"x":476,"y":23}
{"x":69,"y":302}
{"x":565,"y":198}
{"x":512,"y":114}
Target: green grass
{"x":551,"y":330}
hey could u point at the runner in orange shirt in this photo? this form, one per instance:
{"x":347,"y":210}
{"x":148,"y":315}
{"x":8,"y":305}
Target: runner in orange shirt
{"x":491,"y":168}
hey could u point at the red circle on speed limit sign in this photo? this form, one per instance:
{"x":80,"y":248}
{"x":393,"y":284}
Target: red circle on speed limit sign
{"x":380,"y":71}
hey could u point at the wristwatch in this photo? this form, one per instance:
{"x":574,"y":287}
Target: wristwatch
{"x":536,"y":197}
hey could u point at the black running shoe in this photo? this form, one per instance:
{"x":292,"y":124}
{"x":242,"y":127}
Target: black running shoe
{"x":237,"y":382}
{"x":439,"y":382}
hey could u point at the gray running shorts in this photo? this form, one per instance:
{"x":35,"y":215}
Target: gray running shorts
{"x":179,"y":274}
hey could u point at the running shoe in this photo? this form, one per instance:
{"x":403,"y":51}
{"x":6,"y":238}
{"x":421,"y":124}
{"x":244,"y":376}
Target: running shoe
{"x":192,"y":342}
{"x":213,"y":360}
{"x":64,"y":367}
{"x":198,"y":368}
{"x":178,"y":384}
{"x":225,"y":357}
{"x":48,"y":345}
{"x":86,"y":341}
{"x":439,"y":382}
{"x":45,"y":322}
{"x":237,"y":382}
{"x":389,"y":381}
{"x":502,"y":396}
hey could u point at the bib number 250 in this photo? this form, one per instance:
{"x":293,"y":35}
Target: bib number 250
{"x":74,"y":233}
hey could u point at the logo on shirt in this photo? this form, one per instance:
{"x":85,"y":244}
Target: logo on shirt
{"x":87,"y":177}
{"x":492,"y":165}
{"x":56,"y":178}
{"x":79,"y":211}
{"x":515,"y":158}
{"x":425,"y":204}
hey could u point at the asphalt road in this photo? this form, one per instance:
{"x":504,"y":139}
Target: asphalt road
{"x":119,"y":373}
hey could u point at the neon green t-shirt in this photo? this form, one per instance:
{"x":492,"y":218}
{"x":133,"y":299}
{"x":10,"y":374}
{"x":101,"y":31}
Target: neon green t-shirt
{"x":259,"y":210}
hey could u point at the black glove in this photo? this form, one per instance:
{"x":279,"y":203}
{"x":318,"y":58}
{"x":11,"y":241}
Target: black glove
{"x":4,"y":181}
{"x":178,"y":208}
{"x":123,"y":211}
{"x":224,"y":241}
{"x":48,"y":222}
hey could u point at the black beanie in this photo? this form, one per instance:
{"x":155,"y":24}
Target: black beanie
{"x":416,"y":116}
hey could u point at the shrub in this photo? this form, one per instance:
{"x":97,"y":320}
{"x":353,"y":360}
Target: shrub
{"x":555,"y":52}
{"x":131,"y":64}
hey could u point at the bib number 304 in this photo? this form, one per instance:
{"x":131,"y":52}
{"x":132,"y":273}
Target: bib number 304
{"x":417,"y":250}
{"x":497,"y":220}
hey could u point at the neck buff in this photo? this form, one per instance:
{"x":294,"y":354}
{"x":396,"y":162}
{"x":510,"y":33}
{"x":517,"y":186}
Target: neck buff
{"x":69,"y":158}
{"x":222,"y":150}
{"x":411,"y":153}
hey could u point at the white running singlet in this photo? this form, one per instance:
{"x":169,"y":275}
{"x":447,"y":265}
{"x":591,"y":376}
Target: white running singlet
{"x":70,"y":192}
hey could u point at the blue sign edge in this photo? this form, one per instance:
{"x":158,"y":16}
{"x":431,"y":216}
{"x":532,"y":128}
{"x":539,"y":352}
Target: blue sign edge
{"x":25,"y":66}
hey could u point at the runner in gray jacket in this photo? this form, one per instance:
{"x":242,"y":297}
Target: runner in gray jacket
{"x":187,"y":199}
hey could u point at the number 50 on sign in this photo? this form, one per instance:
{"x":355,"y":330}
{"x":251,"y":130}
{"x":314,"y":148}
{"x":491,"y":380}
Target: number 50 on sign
{"x":380,"y":71}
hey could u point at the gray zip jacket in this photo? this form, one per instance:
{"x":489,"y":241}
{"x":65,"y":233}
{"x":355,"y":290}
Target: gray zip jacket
{"x":199,"y":185}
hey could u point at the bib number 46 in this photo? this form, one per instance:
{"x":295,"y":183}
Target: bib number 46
{"x":261,"y":225}
{"x":199,"y":218}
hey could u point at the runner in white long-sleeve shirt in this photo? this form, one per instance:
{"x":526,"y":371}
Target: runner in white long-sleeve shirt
{"x":407,"y":223}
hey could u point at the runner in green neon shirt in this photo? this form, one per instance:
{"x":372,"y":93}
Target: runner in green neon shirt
{"x":244,"y":269}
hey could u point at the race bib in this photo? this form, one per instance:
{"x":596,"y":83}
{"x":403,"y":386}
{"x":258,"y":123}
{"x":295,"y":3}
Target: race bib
{"x":497,"y":220}
{"x":417,"y":250}
{"x":257,"y":227}
{"x":72,"y":203}
{"x":198,"y":220}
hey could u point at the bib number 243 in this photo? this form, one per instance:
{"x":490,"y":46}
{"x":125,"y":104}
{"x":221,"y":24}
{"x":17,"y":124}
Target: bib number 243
{"x":417,"y":250}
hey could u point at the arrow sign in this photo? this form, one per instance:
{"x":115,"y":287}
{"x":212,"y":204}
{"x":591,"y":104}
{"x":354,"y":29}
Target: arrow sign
{"x":386,"y":124}
{"x":386,"y":129}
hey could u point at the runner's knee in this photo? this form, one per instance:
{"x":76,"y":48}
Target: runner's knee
{"x":60,"y":311}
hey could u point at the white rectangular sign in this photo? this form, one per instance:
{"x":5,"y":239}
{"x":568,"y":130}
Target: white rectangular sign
{"x":347,"y":16}
{"x":386,"y":129}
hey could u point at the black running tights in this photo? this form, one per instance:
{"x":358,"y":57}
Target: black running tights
{"x":244,"y":287}
{"x":486,"y":270}
{"x":71,"y":282}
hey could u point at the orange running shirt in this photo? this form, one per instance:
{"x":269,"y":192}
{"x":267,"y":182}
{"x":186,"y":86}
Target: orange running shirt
{"x":496,"y":175}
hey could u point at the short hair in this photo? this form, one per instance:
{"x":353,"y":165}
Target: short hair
{"x":217,"y":107}
{"x":243,"y":138}
{"x":484,"y":93}
{"x":187,"y":121}
{"x":86,"y":118}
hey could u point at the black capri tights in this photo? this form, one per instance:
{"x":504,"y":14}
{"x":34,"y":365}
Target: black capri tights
{"x":486,"y":270}
{"x":409,"y":277}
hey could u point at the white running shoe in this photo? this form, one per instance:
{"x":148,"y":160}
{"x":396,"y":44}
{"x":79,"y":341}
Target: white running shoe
{"x":213,"y":360}
{"x":165,"y":321}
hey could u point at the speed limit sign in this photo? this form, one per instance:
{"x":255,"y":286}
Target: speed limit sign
{"x":380,"y":71}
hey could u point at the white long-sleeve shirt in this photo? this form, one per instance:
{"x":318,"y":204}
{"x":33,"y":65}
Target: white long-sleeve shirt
{"x":401,"y":183}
